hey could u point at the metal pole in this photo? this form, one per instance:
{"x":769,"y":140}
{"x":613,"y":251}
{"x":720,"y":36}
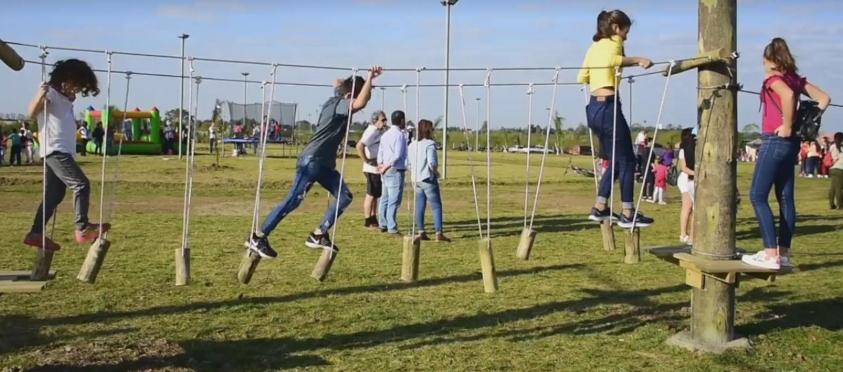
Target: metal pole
{"x":245,"y":85}
{"x":477,"y":126}
{"x":383,"y":98}
{"x":183,"y":38}
{"x":448,"y":4}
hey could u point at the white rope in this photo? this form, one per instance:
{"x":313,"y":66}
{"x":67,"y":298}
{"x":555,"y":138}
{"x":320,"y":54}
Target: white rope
{"x":332,"y":250}
{"x":530,"y":92}
{"x":415,"y":156}
{"x":587,"y":97}
{"x":614,"y":136}
{"x":470,"y":162}
{"x":653,"y":143}
{"x":188,"y":164}
{"x":115,"y":178}
{"x":261,"y":143}
{"x":488,"y":153}
{"x":192,"y":154}
{"x":264,"y":136}
{"x":550,"y":114}
{"x":44,"y":142}
{"x":404,"y":99}
{"x":106,"y":118}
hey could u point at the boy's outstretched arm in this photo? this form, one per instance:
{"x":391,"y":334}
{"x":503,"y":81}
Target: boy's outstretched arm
{"x":366,"y":94}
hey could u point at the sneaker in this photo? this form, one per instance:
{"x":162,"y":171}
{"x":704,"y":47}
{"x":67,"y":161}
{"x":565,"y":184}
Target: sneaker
{"x":662,"y":203}
{"x":90,"y":233}
{"x":373,"y":223}
{"x":598,"y":215}
{"x":383,"y":229}
{"x":640,"y":221}
{"x":320,"y":241}
{"x":760,"y":259}
{"x":784,"y":261}
{"x":260,"y":245}
{"x":423,"y":236}
{"x":684,"y":238}
{"x":440,"y":237}
{"x":35,"y":241}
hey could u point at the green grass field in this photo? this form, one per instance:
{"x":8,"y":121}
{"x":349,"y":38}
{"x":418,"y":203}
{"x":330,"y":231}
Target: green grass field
{"x":573,"y":306}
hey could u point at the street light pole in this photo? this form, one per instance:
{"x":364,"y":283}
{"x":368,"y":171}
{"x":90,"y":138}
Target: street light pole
{"x":183,"y":38}
{"x":245,"y":99}
{"x":447,"y":4}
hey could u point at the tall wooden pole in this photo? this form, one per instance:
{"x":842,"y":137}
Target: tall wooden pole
{"x":713,"y":308}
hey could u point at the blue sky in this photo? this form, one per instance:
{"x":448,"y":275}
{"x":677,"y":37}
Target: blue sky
{"x":410,"y":33}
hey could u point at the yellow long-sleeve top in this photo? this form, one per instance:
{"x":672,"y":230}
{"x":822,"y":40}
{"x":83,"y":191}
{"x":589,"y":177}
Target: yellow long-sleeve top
{"x":607,"y":52}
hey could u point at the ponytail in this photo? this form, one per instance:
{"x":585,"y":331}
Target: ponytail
{"x":779,"y":53}
{"x":606,"y":19}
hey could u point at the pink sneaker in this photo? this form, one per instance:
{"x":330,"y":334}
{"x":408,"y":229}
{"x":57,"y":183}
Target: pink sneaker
{"x":90,"y":232}
{"x":35,"y":241}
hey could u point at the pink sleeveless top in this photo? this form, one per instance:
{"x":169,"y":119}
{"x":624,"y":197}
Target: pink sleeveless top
{"x":772,"y":115}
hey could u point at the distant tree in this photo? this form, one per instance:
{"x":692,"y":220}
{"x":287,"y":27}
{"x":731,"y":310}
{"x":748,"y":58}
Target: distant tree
{"x":750,"y":128}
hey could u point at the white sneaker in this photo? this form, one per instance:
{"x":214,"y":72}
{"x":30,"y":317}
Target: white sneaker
{"x":684,"y":238}
{"x":662,"y":203}
{"x":760,"y":259}
{"x":784,"y":261}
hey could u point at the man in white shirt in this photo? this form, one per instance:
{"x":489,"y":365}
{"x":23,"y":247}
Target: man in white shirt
{"x":367,"y":150}
{"x":392,"y":162}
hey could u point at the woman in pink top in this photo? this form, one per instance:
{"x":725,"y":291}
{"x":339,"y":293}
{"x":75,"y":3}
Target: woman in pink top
{"x":777,"y":158}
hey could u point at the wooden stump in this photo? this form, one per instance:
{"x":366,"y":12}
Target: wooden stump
{"x":41,"y":268}
{"x":410,"y":260}
{"x":525,"y":245}
{"x":248,"y":265}
{"x":608,"y":235}
{"x":323,"y":266}
{"x":182,"y":266}
{"x":487,"y":265}
{"x":93,"y":261}
{"x":631,"y":249}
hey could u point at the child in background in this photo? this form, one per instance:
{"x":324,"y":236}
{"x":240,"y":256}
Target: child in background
{"x":660,"y":172}
{"x":68,"y":78}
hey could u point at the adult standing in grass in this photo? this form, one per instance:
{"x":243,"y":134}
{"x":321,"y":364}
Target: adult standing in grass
{"x":15,"y":142}
{"x":367,"y":150}
{"x":317,"y":164}
{"x":835,"y":193}
{"x":422,"y":159}
{"x":98,"y":135}
{"x":780,"y":93}
{"x":685,"y":183}
{"x":392,"y":162}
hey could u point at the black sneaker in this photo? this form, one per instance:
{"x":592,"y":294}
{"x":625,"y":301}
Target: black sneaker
{"x":640,"y":221}
{"x":321,"y":241}
{"x":600,"y":216}
{"x":260,"y":245}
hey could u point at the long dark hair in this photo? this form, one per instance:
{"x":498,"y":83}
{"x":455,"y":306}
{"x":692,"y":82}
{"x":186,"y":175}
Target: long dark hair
{"x":838,"y":141}
{"x":778,"y":52}
{"x":346,"y":85}
{"x":77,"y":73}
{"x":606,"y":19}
{"x":425,"y":129}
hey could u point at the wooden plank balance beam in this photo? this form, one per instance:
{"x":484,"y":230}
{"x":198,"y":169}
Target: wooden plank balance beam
{"x":20,"y":282}
{"x":698,"y":268}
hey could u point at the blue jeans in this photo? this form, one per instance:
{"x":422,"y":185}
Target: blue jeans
{"x":390,"y":201}
{"x":600,"y":117}
{"x":775,"y":167}
{"x":308,"y":172}
{"x":428,"y":190}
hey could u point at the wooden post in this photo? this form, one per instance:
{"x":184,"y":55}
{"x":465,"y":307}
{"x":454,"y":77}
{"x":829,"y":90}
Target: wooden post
{"x":41,"y":268}
{"x":182,"y":266}
{"x":608,"y":235}
{"x":323,"y":266}
{"x":525,"y":245}
{"x":487,"y":266}
{"x":632,"y":254}
{"x":410,"y":261}
{"x":248,"y":265}
{"x":93,"y":261}
{"x":713,"y":308}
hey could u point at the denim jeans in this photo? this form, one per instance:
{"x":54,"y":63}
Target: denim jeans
{"x":63,"y":172}
{"x":307,"y":173}
{"x":775,"y":167}
{"x":428,"y":190}
{"x":390,"y":201}
{"x":600,"y":116}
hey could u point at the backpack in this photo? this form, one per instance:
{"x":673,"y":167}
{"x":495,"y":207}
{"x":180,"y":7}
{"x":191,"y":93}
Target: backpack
{"x":806,"y":120}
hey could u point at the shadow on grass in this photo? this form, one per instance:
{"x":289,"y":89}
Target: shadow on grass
{"x":512,"y":225}
{"x":288,"y":352}
{"x":801,"y":230}
{"x":821,"y":313}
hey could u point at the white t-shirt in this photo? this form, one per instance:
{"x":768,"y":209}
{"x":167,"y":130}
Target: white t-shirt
{"x":640,"y":138}
{"x":60,"y":132}
{"x":371,"y":140}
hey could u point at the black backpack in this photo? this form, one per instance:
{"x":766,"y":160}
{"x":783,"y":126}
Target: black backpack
{"x":807,"y":119}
